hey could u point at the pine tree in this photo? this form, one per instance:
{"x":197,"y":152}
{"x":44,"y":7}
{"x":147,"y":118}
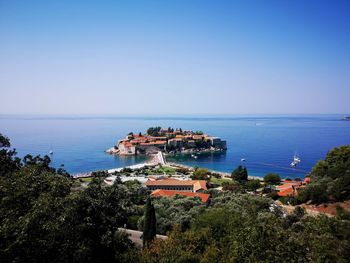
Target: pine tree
{"x":149,"y":228}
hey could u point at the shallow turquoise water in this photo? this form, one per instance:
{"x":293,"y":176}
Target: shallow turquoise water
{"x":268,"y":143}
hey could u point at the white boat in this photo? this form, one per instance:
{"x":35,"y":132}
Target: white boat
{"x":51,"y":151}
{"x":296,"y":161}
{"x":242,"y":160}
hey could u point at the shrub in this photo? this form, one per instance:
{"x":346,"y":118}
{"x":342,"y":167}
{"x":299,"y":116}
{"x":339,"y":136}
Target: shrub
{"x":272,"y":178}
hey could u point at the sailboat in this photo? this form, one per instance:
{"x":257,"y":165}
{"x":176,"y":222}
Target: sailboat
{"x":296,"y":161}
{"x":51,"y":151}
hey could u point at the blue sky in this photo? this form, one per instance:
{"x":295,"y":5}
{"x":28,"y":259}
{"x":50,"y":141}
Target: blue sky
{"x":174,"y":57}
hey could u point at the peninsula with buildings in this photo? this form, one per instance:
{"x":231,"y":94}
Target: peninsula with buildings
{"x":167,"y":141}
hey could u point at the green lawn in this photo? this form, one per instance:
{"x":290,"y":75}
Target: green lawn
{"x":86,"y":180}
{"x":220,"y":181}
{"x":163,"y":170}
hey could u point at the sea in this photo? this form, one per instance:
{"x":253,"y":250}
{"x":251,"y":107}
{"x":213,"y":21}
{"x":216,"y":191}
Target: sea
{"x":267,"y":143}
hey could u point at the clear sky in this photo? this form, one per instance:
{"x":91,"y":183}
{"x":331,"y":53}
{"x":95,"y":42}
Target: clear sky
{"x":174,"y":57}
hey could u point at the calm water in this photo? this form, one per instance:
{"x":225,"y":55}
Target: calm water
{"x":268,"y":143}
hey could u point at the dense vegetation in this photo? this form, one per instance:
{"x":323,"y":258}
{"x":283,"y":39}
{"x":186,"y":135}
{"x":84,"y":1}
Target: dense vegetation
{"x":178,"y":210}
{"x":249,"y":229}
{"x":330,"y":179}
{"x":43,"y":220}
{"x":150,"y":223}
{"x":46,"y":216}
{"x":153,"y":131}
{"x":240,"y":174}
{"x":272,"y":178}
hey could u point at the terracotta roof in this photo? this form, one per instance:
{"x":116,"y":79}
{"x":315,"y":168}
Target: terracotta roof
{"x":197,"y":137}
{"x":198,"y":184}
{"x":157,"y":138}
{"x":153,"y":143}
{"x":286,"y":192}
{"x":307,"y":180}
{"x":159,"y":142}
{"x":167,"y":193}
{"x":288,"y":184}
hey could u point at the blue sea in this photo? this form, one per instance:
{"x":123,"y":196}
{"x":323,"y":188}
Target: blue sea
{"x":268,"y":143}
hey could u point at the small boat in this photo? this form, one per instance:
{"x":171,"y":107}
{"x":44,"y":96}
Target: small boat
{"x":296,"y":161}
{"x":242,"y":160}
{"x":51,"y":151}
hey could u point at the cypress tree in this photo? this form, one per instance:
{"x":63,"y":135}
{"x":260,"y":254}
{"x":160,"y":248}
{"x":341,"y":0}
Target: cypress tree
{"x":240,"y":174}
{"x":149,"y":228}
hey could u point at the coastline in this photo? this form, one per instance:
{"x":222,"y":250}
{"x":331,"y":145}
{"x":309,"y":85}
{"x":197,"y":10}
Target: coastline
{"x":223,"y":174}
{"x":158,"y":159}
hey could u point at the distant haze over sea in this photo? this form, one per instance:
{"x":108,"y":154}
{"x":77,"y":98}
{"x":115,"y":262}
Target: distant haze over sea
{"x":268,"y":143}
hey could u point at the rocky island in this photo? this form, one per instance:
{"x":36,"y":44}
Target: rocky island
{"x":167,"y":141}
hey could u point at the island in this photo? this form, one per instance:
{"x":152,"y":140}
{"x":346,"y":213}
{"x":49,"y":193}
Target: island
{"x":168,"y":140}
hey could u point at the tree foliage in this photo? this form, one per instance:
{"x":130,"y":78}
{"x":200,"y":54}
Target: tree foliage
{"x":240,"y":174}
{"x":9,"y":163}
{"x":201,"y":174}
{"x":243,"y":228}
{"x":43,"y":220}
{"x":150,"y":223}
{"x":272,"y":178}
{"x":153,"y":131}
{"x":330,"y":178}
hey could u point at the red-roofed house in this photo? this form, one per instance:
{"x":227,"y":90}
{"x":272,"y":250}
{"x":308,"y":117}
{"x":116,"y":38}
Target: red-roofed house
{"x":307,"y":180}
{"x":290,"y":188}
{"x":178,"y":185}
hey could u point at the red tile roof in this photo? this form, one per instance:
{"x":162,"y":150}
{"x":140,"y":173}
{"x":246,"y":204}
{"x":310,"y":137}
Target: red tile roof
{"x":286,"y":192}
{"x":168,"y":193}
{"x":197,"y":184}
{"x":307,"y":180}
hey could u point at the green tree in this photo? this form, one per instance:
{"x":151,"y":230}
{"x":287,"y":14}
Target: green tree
{"x":153,"y":131}
{"x":201,"y":174}
{"x":44,"y":220}
{"x":240,"y":174}
{"x":330,"y":178}
{"x":9,"y":163}
{"x":253,"y":184}
{"x":150,"y":223}
{"x":272,"y":178}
